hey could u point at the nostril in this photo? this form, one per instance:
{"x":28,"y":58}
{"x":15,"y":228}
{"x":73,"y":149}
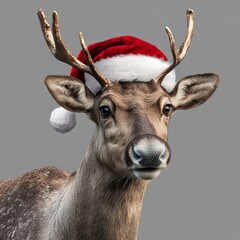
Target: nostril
{"x":162,"y":155}
{"x":136,"y":154}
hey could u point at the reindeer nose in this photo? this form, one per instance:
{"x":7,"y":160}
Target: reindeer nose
{"x":148,"y":157}
{"x":148,"y":153}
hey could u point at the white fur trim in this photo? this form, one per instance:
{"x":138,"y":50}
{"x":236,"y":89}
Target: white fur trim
{"x":131,"y":67}
{"x":62,"y":120}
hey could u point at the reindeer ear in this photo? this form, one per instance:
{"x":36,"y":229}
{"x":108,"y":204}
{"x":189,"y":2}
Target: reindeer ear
{"x":70,"y":93}
{"x":192,"y":91}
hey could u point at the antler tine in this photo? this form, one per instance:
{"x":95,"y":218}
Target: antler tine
{"x":179,"y":54}
{"x":99,"y":77}
{"x":47,"y":31}
{"x":55,"y":43}
{"x":59,"y":50}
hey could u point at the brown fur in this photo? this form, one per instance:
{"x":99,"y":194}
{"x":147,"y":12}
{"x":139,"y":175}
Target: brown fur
{"x":19,"y":215}
{"x":103,"y":199}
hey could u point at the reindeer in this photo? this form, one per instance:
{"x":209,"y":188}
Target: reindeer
{"x":103,"y":199}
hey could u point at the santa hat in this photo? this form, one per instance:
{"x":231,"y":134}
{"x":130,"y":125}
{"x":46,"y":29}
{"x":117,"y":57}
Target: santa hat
{"x":124,"y":58}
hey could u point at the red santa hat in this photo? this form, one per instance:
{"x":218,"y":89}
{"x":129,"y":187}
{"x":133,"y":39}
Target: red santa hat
{"x":124,"y":58}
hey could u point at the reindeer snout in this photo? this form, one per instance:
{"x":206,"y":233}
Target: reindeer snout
{"x":148,"y":155}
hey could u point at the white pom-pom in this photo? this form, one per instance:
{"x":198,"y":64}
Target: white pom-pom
{"x":62,"y":120}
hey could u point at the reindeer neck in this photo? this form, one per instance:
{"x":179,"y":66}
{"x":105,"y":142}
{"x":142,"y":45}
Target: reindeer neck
{"x":97,"y":205}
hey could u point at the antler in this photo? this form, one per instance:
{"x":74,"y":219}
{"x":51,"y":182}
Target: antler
{"x":179,"y":54}
{"x":59,"y":50}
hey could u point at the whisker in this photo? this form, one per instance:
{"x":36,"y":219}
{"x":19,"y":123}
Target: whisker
{"x":124,"y":175}
{"x":127,"y":179}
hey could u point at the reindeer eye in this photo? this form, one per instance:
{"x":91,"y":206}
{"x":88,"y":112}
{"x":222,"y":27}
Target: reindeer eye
{"x":167,"y":109}
{"x":105,"y":111}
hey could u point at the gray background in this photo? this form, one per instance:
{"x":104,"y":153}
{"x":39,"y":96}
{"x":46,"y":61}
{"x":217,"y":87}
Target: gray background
{"x":197,"y":197}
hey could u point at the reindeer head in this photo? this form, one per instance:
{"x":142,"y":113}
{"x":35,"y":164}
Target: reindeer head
{"x":132,"y":117}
